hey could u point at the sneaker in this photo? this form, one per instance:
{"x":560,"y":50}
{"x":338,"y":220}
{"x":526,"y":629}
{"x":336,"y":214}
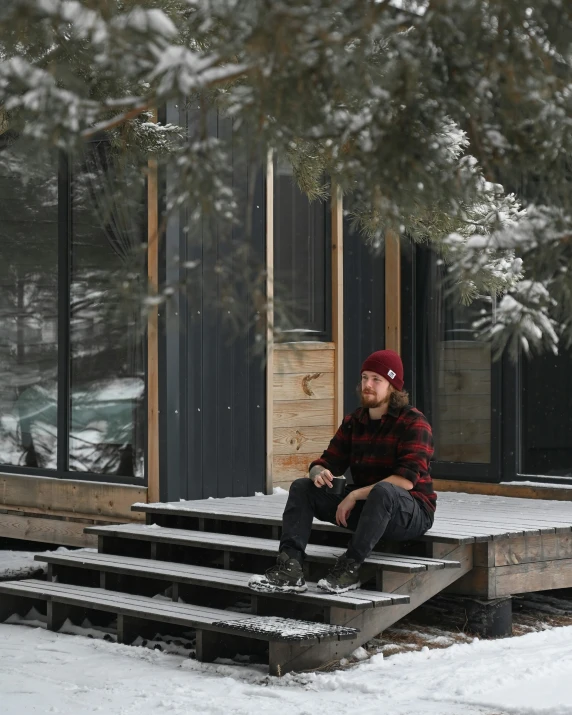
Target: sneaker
{"x":343,"y":577}
{"x":285,"y":577}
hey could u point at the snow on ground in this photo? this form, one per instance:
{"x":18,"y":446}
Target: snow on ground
{"x":44,"y":672}
{"x":19,"y":564}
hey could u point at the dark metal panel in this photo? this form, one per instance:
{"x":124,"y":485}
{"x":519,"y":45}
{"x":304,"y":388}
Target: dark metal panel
{"x":364,"y":308}
{"x":214,"y":376}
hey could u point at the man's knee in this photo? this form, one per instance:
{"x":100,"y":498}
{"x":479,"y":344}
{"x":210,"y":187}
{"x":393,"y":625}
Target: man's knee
{"x":385,"y":493}
{"x":301,"y":484}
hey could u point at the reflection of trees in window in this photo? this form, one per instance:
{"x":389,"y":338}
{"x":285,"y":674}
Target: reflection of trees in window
{"x":300,"y":255}
{"x":28,"y":306}
{"x":107,"y":360}
{"x":105,"y":354}
{"x":454,"y":368}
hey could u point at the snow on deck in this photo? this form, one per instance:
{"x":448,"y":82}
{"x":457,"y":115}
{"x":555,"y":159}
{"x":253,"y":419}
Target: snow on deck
{"x":467,"y":517}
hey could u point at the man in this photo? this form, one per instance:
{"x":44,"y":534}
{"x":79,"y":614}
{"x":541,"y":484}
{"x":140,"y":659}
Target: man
{"x":387,"y":444}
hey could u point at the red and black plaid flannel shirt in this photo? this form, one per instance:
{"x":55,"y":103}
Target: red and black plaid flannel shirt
{"x":401,"y":444}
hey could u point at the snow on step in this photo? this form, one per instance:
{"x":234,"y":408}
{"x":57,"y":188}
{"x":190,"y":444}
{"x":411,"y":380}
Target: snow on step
{"x":274,"y":627}
{"x":287,"y":629}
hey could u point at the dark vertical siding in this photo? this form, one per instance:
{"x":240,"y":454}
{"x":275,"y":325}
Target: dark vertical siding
{"x":364,"y":309}
{"x":217,"y":378}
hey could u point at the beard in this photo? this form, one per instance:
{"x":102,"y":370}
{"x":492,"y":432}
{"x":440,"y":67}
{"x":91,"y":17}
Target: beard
{"x":370,"y":401}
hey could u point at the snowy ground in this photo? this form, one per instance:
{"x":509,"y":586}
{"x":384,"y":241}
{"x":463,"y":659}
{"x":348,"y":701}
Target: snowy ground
{"x":44,"y":672}
{"x":21,"y":564}
{"x":411,"y":669}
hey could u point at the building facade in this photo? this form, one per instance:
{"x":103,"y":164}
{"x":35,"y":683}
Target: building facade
{"x":97,"y":413}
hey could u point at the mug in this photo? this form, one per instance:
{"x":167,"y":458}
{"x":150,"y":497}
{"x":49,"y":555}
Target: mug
{"x":338,"y":485}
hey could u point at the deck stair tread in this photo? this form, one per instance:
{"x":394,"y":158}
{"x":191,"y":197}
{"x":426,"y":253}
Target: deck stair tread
{"x":265,"y":627}
{"x":461,"y":518}
{"x":248,"y":544}
{"x":213,"y":577}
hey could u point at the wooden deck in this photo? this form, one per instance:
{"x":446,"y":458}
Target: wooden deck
{"x":190,"y":565}
{"x":519,"y":545}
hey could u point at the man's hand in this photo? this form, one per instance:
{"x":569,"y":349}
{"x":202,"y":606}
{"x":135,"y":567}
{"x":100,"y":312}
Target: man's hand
{"x":344,"y":509}
{"x":324,"y":478}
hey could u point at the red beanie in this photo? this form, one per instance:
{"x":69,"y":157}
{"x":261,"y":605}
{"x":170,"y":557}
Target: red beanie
{"x":386,"y":363}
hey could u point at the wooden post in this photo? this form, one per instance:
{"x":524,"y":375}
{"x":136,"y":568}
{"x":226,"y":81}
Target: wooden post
{"x":392,"y":292}
{"x":269,"y":321}
{"x":338,"y":301}
{"x":153,"y":334}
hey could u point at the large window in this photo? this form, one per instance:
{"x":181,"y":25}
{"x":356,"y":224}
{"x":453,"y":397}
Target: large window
{"x":71,"y":339}
{"x":107,"y":360}
{"x":28,"y":306}
{"x":301,"y":258}
{"x":454,"y":368}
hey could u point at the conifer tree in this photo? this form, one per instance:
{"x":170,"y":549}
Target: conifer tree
{"x":449,"y":123}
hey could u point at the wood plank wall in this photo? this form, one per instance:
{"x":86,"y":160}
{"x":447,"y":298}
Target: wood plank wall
{"x":303,"y":407}
{"x":56,"y":511}
{"x":464,"y":402}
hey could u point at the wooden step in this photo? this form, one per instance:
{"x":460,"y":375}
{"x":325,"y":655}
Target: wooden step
{"x":230,"y":543}
{"x":236,"y":581}
{"x":219,"y":633}
{"x":266,"y":512}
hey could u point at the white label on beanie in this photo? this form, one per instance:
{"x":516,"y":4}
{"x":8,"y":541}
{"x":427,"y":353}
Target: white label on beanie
{"x":391,"y":374}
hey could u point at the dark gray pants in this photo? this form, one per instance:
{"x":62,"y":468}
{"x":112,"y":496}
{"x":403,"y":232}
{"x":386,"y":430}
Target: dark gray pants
{"x":388,"y":511}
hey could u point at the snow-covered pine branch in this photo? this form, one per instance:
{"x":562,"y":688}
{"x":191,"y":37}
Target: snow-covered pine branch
{"x":420,"y":111}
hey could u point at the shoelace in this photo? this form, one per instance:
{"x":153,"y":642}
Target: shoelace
{"x":280,"y":566}
{"x":341,"y":565}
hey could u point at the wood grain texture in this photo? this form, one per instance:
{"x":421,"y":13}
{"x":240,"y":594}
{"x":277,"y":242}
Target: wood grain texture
{"x":392,"y":292}
{"x":301,"y":440}
{"x":304,"y":386}
{"x":465,"y":382}
{"x":288,"y":467}
{"x":303,"y":413}
{"x":464,"y":432}
{"x":537,"y":576}
{"x":465,"y":452}
{"x":67,"y":495}
{"x":301,"y":360}
{"x":465,"y":355}
{"x":338,"y":300}
{"x":50,"y":531}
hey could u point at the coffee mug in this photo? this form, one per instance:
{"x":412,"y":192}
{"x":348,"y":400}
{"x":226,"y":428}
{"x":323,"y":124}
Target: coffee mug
{"x":338,"y":485}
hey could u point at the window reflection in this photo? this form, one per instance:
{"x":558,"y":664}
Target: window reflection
{"x":454,"y":368}
{"x":300,"y":246}
{"x":107,"y":358}
{"x":28,"y":306}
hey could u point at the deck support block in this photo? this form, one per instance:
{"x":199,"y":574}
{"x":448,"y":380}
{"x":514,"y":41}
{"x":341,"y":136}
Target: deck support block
{"x":58,"y":613}
{"x":490,"y":619}
{"x":129,"y":628}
